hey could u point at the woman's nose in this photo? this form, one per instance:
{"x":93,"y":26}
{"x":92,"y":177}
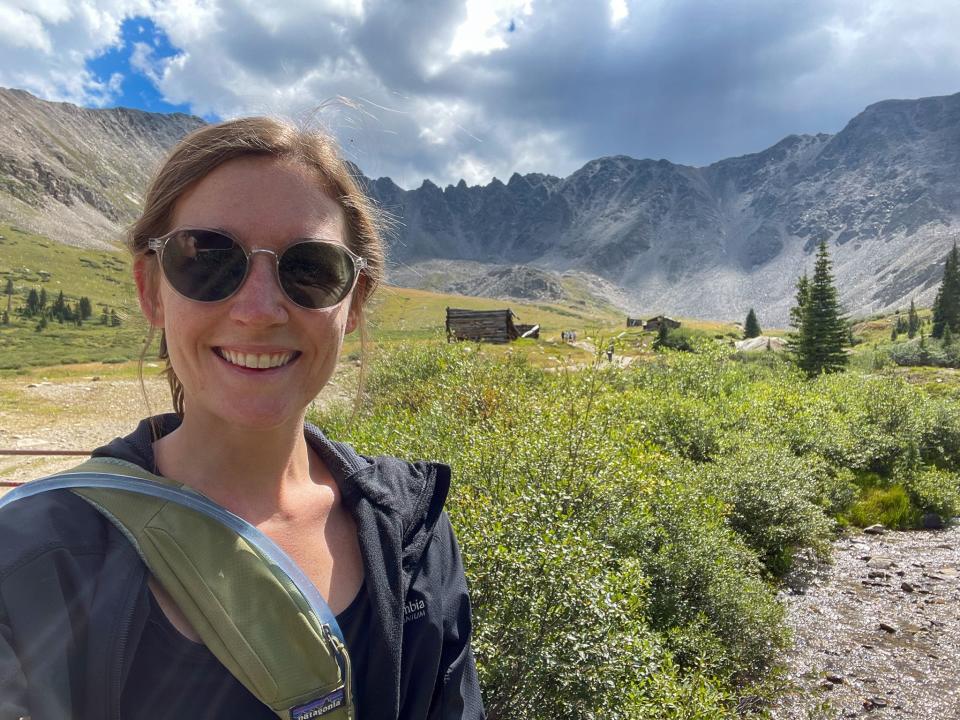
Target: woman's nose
{"x":260,"y":300}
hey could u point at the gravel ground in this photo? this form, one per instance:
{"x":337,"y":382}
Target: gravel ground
{"x":877,"y":633}
{"x":70,"y":415}
{"x":85,"y":413}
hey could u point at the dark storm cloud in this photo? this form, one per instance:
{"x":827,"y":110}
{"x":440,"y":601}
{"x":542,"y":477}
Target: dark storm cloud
{"x":692,"y":81}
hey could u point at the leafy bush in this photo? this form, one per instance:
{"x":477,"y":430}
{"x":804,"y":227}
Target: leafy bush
{"x":937,"y":491}
{"x":775,"y":503}
{"x":623,"y":529}
{"x":929,"y":353}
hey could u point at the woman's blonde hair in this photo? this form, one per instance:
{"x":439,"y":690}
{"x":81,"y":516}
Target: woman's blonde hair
{"x":203,"y":150}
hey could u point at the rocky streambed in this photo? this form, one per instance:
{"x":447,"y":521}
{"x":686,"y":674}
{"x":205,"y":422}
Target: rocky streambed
{"x":877,"y":632}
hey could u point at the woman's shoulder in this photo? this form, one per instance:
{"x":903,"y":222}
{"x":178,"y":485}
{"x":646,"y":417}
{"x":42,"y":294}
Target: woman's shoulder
{"x":53,"y":521}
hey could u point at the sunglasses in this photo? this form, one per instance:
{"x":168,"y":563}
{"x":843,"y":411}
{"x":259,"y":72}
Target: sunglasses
{"x":210,"y":266}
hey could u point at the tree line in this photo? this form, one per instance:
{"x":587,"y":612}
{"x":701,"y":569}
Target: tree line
{"x":38,"y":306}
{"x":822,"y":332}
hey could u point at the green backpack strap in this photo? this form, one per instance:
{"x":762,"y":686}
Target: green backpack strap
{"x":247,"y":610}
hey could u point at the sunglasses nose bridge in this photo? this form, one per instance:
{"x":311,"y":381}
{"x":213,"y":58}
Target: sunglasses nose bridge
{"x":274,"y":261}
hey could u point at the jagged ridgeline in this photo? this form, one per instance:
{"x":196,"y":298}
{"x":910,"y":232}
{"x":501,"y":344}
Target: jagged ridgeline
{"x":712,"y":241}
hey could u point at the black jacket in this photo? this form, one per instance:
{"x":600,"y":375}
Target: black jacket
{"x":73,"y":594}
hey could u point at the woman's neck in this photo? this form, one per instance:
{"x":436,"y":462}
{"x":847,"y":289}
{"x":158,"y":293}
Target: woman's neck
{"x":256,"y":473}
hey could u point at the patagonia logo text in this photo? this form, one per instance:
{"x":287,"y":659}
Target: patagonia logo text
{"x":414,"y":610}
{"x":320,"y":707}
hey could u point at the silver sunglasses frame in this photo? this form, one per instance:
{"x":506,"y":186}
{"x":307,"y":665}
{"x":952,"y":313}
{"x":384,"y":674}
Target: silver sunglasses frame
{"x":158,"y":245}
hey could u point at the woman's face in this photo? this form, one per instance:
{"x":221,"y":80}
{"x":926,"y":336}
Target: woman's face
{"x":264,"y":203}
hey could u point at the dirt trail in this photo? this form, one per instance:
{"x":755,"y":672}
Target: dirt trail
{"x":85,"y":412}
{"x":78,"y":414}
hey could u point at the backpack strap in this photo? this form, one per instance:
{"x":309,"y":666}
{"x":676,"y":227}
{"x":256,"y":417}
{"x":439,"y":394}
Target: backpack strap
{"x":251,"y":605}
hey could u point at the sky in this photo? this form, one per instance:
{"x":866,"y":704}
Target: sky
{"x":476,"y":89}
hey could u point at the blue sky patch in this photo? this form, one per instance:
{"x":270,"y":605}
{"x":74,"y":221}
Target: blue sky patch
{"x":137,"y":90}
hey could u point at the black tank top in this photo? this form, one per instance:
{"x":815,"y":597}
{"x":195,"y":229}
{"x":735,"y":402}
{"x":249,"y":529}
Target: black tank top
{"x":172,"y":678}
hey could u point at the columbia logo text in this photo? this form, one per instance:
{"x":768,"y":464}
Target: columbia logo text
{"x":414,"y":610}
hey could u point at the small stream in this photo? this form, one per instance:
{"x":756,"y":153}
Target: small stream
{"x":877,"y":633}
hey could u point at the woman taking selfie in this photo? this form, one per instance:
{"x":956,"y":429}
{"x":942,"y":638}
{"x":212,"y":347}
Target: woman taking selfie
{"x":254,"y":256}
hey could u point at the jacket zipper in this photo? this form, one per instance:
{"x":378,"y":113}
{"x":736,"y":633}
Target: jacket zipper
{"x":121,"y":645}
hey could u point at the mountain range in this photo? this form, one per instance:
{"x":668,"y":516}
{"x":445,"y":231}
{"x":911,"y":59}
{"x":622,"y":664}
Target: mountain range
{"x":884,"y":193}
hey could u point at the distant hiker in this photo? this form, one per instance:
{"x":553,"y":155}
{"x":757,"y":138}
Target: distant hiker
{"x":255,"y":253}
{"x":610,"y":352}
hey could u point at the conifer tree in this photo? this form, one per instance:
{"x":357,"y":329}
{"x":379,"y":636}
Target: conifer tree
{"x":946,"y":306}
{"x":8,"y":291}
{"x":43,"y":299}
{"x":893,"y":333}
{"x":796,"y":313}
{"x":663,"y":333}
{"x":85,"y":308}
{"x":913,"y":321}
{"x":751,"y":328}
{"x":33,"y":303}
{"x":823,"y":333}
{"x":947,"y":336}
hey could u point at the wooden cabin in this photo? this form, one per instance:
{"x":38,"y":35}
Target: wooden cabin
{"x":654,"y":323}
{"x":493,"y":326}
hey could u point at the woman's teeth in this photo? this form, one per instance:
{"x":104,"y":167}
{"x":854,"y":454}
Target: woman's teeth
{"x":257,"y":361}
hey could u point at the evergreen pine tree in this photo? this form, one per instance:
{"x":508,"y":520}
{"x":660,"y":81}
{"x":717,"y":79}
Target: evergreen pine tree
{"x":663,"y":332}
{"x":59,"y":307}
{"x":947,"y":336}
{"x":43,"y":299}
{"x":751,"y":328}
{"x":824,"y":332}
{"x":913,"y":321}
{"x":893,"y":333}
{"x":946,"y":306}
{"x":33,"y":303}
{"x":85,"y":309}
{"x":902,"y":325}
{"x":796,"y":313}
{"x":8,"y":291}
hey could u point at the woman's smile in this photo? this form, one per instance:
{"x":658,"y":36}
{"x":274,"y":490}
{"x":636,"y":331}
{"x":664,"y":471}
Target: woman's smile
{"x":257,"y":360}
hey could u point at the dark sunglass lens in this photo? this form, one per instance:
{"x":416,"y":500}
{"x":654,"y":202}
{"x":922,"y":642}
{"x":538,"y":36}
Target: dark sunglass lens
{"x":204,"y":265}
{"x":316,"y":274}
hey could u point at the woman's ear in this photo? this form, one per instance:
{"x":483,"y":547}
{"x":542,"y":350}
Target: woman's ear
{"x":357,"y":299}
{"x":148,"y":292}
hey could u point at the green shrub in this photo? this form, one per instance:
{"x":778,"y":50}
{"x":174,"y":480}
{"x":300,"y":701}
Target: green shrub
{"x":775,"y":503}
{"x":889,"y":506}
{"x":623,"y":529}
{"x":933,"y":490}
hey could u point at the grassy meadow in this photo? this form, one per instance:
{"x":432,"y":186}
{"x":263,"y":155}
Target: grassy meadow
{"x":625,"y":526}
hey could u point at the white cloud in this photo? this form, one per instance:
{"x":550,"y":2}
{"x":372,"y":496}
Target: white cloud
{"x":475,"y":88}
{"x":46,"y":44}
{"x":618,"y":12}
{"x":487,"y":26}
{"x":20,"y":29}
